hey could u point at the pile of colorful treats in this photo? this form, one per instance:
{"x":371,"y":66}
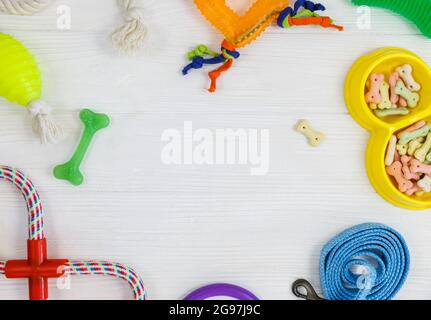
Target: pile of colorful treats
{"x":395,"y":96}
{"x":408,"y":159}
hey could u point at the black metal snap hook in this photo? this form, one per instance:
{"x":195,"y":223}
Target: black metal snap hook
{"x":310,"y":293}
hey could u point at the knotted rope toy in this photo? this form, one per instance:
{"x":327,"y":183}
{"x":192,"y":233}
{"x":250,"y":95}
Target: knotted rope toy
{"x":128,"y":38}
{"x":368,"y":262}
{"x":21,"y":83}
{"x":221,"y":290}
{"x":239,"y":31}
{"x":23,"y":7}
{"x":38,"y":268}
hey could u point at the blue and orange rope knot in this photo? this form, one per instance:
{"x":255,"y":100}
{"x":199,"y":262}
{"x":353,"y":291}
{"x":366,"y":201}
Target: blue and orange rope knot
{"x":302,"y":13}
{"x":226,"y":57}
{"x":290,"y":17}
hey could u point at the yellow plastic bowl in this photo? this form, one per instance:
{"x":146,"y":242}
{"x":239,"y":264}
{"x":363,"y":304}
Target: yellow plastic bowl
{"x":381,"y":129}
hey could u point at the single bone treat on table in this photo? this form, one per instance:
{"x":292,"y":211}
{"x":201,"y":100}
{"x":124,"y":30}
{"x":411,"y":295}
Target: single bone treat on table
{"x":314,"y":138}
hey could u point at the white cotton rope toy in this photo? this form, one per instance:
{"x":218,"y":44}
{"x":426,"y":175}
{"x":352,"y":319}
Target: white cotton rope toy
{"x":23,"y":7}
{"x":128,"y":38}
{"x":43,"y":125}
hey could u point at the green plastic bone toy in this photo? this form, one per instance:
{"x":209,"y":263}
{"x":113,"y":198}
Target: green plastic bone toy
{"x":70,"y":171}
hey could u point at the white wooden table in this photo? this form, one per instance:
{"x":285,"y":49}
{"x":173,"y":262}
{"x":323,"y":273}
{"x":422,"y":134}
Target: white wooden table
{"x":185,"y":226}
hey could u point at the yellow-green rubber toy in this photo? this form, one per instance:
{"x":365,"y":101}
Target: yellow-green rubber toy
{"x":21,"y":83}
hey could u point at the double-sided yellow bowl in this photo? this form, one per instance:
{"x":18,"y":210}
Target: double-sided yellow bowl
{"x":385,"y":61}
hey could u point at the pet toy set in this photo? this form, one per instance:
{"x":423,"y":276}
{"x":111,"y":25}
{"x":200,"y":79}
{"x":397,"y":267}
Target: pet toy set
{"x":385,"y":92}
{"x":377,"y":248}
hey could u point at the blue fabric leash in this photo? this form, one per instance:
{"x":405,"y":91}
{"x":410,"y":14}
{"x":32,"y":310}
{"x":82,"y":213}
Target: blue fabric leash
{"x":381,"y":253}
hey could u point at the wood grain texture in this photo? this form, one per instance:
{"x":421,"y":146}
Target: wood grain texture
{"x":186,"y":226}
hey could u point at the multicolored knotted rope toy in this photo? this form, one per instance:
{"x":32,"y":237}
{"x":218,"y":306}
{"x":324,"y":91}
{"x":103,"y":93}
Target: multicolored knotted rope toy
{"x":239,"y":31}
{"x":38,"y":268}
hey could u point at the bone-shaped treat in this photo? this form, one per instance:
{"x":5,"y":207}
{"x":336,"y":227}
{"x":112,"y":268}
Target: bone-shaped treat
{"x":390,"y":152}
{"x":413,"y":190}
{"x":397,"y":156}
{"x":425,"y":184}
{"x":395,"y":170}
{"x":413,"y":127}
{"x":373,"y":94}
{"x":391,"y":112}
{"x":314,"y":138}
{"x":403,"y":103}
{"x":385,"y":101}
{"x":406,"y":73}
{"x":412,"y":98}
{"x":422,"y":152}
{"x":70,"y":171}
{"x":393,"y":79}
{"x":395,"y":98}
{"x":414,"y":145}
{"x":418,"y":167}
{"x":405,"y":160}
{"x":407,"y":136}
{"x":402,"y":149}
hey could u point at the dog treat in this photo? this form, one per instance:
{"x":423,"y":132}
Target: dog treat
{"x":70,"y":171}
{"x":408,"y":159}
{"x":418,"y":167}
{"x":412,"y":98}
{"x":405,"y":160}
{"x":391,"y":112}
{"x":395,"y":98}
{"x":375,"y":83}
{"x":414,"y":145}
{"x":407,"y":136}
{"x":393,"y":79}
{"x":402,"y":149}
{"x":406,"y":73}
{"x":385,"y":101}
{"x":314,"y":138}
{"x":425,"y":184}
{"x":395,"y":170}
{"x":422,"y":152}
{"x":390,"y":152}
{"x":392,"y":98}
{"x":413,"y":127}
{"x":413,"y":190}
